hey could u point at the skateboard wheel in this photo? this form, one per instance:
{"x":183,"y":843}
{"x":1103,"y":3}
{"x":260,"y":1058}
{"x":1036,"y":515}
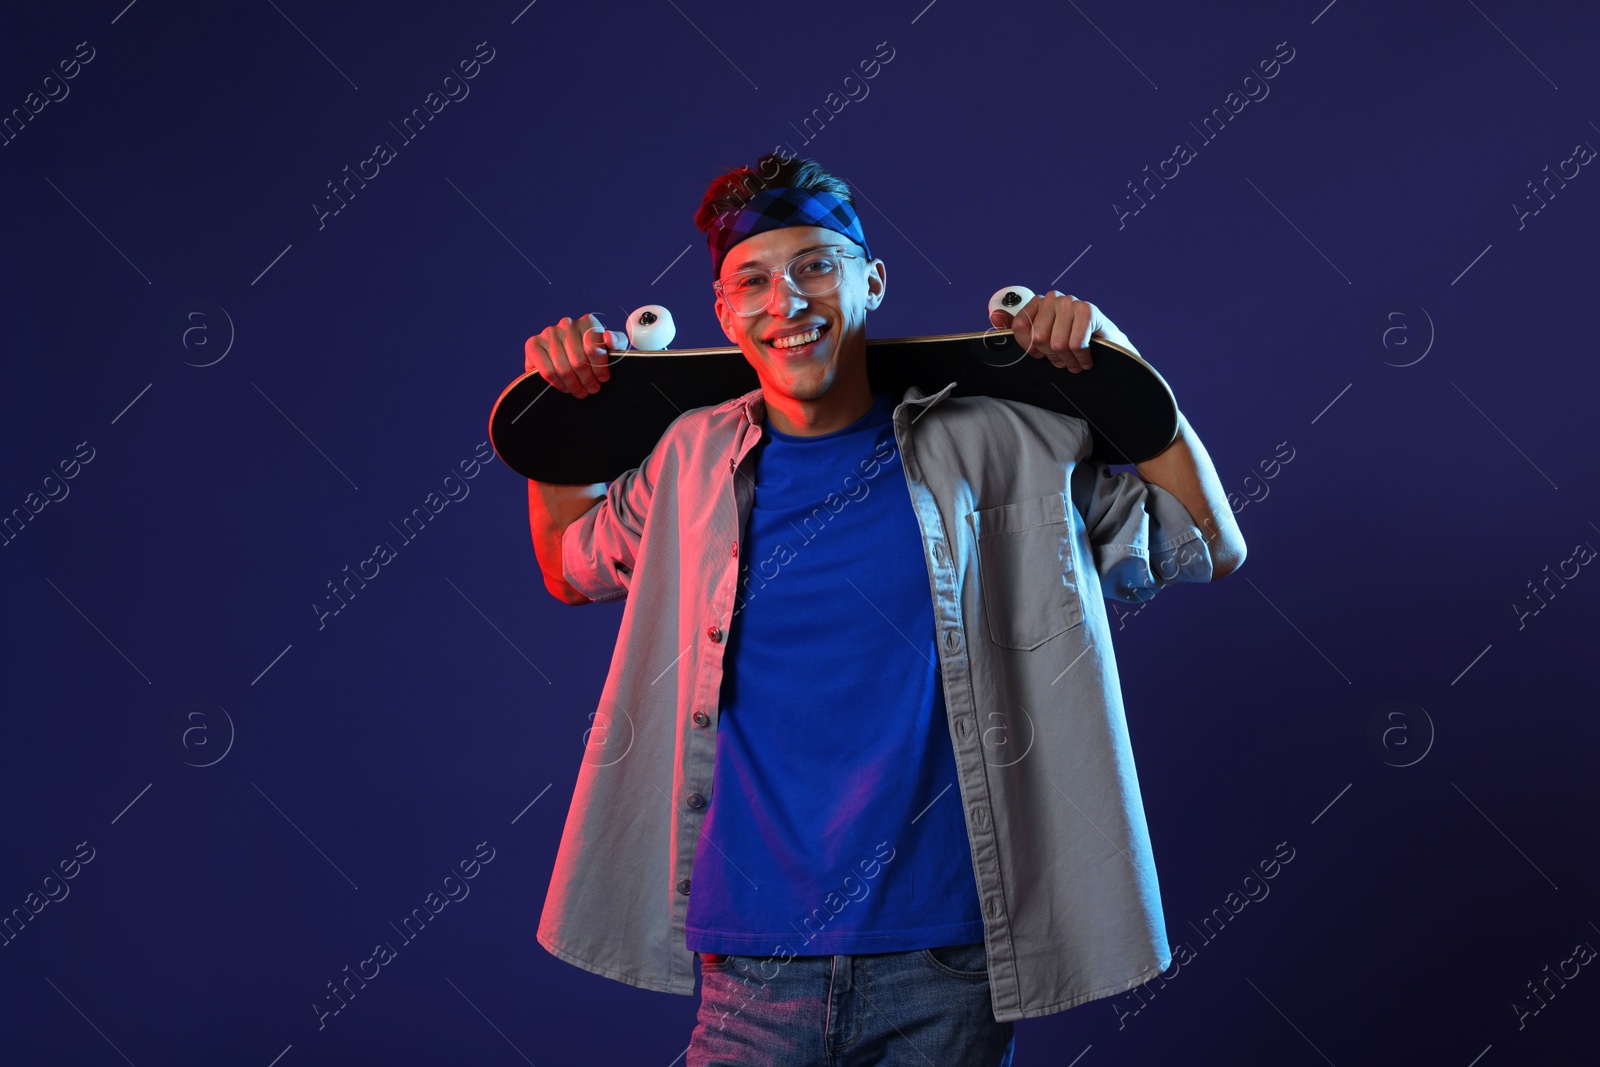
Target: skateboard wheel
{"x":650,"y":328}
{"x":1010,"y":299}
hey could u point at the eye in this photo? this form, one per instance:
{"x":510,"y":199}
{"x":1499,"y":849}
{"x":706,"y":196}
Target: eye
{"x":820,"y":265}
{"x":745,"y":283}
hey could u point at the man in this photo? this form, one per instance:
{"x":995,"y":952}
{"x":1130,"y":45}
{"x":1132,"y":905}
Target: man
{"x":873,"y":627}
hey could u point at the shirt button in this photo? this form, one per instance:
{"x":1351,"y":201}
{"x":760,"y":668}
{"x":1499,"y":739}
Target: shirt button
{"x":713,"y":633}
{"x":702,"y":719}
{"x":683,"y":886}
{"x":952,"y":639}
{"x":939,"y":554}
{"x":696,"y":801}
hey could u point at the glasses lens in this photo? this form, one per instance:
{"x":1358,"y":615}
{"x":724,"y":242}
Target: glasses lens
{"x":816,"y":273}
{"x":747,"y":291}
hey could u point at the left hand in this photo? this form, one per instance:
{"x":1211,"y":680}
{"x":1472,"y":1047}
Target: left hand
{"x":1058,"y":328}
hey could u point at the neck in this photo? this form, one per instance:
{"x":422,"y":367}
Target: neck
{"x":849,"y":398}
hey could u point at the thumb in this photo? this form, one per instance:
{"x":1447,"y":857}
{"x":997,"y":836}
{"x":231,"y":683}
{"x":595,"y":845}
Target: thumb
{"x":1000,"y":319}
{"x":597,"y":336}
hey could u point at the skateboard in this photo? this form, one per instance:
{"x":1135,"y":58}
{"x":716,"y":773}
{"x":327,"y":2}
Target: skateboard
{"x":547,"y":435}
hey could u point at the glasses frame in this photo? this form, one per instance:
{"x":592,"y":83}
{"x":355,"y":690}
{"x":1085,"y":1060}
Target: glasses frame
{"x":782,"y":273}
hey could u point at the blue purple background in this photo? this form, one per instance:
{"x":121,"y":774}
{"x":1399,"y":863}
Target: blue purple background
{"x":1340,"y":272}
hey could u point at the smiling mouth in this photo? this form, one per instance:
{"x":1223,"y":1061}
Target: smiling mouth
{"x":798,"y":343}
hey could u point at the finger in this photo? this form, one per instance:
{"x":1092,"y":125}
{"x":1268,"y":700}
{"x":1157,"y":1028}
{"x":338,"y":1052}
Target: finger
{"x":1044,"y":325}
{"x":544,"y":361}
{"x":553,"y":363}
{"x":530,"y":354}
{"x":1082,"y":323}
{"x":597,"y":353}
{"x":1067,"y":327}
{"x":552,"y":355}
{"x":536,"y":353}
{"x":1061,"y":335}
{"x":598,"y":344}
{"x":580,"y":369}
{"x":1082,"y":334}
{"x":589,"y":323}
{"x":566,"y":358}
{"x":1022,"y":326}
{"x":1000,"y":319}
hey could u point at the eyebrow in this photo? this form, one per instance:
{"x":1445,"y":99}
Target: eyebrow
{"x":761,"y":264}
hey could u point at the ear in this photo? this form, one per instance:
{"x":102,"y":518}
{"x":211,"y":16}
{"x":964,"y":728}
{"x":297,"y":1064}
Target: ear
{"x":725,"y":318}
{"x":877,"y":284}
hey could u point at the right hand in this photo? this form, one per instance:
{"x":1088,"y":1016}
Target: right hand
{"x":574,"y":356}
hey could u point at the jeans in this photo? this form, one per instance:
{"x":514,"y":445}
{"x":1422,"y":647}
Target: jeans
{"x":925,"y":1007}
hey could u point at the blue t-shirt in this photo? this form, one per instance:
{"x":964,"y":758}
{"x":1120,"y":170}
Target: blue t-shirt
{"x":835,"y":824}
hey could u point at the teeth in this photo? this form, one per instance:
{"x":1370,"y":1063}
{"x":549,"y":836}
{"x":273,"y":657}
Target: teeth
{"x":798,"y":339}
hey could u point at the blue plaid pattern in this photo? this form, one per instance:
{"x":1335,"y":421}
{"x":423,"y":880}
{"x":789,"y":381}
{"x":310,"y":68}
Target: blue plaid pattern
{"x":772,"y":208}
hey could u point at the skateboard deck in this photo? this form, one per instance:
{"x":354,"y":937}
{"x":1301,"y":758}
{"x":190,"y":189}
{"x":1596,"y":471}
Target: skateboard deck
{"x":547,"y":435}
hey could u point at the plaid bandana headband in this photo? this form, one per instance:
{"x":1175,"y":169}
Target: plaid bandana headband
{"x":771,"y":209}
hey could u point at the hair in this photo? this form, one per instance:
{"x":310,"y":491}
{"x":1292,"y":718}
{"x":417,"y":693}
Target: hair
{"x":728,"y":193}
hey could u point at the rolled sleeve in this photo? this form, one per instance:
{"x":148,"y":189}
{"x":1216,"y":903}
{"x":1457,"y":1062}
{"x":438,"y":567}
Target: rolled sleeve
{"x":1142,"y":538}
{"x":599,"y":549}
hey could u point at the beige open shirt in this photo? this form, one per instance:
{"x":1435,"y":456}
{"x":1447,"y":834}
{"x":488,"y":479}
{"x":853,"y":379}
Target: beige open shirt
{"x":1023,"y":537}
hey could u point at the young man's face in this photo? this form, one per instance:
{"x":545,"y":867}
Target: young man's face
{"x":808,"y":371}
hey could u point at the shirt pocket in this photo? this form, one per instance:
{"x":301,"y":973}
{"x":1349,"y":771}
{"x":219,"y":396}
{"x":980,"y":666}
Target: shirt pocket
{"x":1026,"y":571}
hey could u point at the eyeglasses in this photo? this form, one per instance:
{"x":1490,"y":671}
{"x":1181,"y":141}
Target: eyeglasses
{"x":814,"y":273}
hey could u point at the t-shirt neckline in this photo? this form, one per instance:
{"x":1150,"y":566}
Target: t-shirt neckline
{"x":871,"y":417}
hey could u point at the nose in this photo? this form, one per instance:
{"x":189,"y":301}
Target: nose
{"x":786,"y":298}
